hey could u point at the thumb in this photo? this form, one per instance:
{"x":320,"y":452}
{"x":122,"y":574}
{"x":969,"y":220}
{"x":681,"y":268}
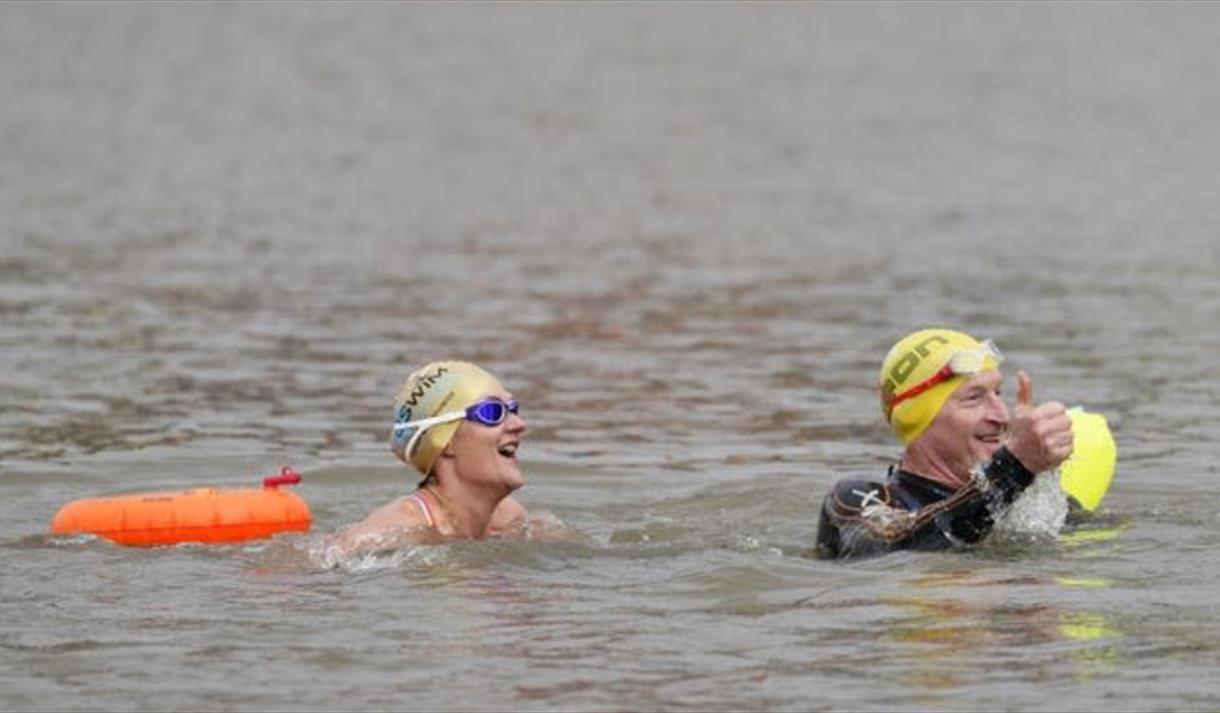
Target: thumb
{"x":1025,"y":393}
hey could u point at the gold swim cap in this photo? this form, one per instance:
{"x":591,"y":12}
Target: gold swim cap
{"x":439,"y":387}
{"x":922,"y":370}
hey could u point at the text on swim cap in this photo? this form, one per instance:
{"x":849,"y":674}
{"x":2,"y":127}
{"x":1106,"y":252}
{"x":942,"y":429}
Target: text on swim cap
{"x":425,"y":382}
{"x":901,"y":370}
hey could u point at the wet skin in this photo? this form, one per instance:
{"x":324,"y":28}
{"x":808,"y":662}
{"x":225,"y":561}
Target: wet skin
{"x":469,"y":497}
{"x":974,"y":423}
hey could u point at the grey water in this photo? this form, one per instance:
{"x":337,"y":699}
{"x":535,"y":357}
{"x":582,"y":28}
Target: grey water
{"x":683,"y":235}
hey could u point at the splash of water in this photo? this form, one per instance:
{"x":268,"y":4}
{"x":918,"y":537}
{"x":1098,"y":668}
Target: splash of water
{"x":1039,"y":512}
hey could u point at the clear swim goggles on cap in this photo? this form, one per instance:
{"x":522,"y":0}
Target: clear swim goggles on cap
{"x":489,"y":412}
{"x":965,"y":362}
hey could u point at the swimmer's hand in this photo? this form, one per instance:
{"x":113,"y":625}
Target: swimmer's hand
{"x":1039,"y":436}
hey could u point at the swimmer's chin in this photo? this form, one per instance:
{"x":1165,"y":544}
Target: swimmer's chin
{"x":513,"y":477}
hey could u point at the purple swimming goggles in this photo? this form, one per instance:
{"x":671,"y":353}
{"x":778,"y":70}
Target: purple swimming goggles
{"x":489,"y":412}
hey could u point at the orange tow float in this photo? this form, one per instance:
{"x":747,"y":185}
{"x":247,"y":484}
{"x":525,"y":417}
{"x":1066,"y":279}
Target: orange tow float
{"x":195,"y":515}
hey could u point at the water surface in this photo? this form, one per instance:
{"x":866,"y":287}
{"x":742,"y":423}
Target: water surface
{"x":683,"y":235}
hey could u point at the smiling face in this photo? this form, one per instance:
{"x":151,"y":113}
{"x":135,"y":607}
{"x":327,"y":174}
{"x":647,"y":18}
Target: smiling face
{"x":968,"y":431}
{"x":487,"y":455}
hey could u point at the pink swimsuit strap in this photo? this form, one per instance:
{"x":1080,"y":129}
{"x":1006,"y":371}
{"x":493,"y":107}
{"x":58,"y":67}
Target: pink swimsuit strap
{"x":423,"y":507}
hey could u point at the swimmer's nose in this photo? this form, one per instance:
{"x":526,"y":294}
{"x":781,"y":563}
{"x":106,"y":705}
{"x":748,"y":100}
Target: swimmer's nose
{"x":515,"y":423}
{"x":997,"y":410}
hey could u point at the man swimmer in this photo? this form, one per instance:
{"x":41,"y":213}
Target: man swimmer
{"x":965,"y":459}
{"x":457,"y":425}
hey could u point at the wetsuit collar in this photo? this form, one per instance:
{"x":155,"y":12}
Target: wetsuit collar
{"x":920,"y":490}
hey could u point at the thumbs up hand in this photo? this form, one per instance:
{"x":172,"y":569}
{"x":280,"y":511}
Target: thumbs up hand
{"x":1039,"y":436}
{"x":1025,"y":394}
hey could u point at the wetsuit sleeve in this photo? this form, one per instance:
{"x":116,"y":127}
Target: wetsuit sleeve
{"x":861,"y":518}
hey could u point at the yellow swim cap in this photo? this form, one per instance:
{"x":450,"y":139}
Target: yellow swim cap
{"x":922,"y":370}
{"x":1087,"y":473}
{"x":439,"y":387}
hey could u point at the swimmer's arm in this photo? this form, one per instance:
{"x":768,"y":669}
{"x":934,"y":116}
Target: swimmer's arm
{"x":968,"y":515}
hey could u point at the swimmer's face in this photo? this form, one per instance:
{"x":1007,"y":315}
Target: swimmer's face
{"x":971,"y":425}
{"x":487,"y":455}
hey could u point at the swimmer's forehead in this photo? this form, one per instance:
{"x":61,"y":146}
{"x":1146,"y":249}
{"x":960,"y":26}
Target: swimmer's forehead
{"x":985,"y":381}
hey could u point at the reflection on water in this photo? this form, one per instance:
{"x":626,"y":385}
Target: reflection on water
{"x":683,"y":236}
{"x":952,"y":627}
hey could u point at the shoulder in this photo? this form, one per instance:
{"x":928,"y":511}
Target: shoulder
{"x":397,"y":515}
{"x":854,"y":494}
{"x":401,"y":512}
{"x":843,"y":515}
{"x":509,"y":507}
{"x":508,"y":517}
{"x":386,"y":524}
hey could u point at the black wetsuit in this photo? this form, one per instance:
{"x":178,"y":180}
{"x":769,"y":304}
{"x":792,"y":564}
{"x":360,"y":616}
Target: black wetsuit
{"x":869,"y":517}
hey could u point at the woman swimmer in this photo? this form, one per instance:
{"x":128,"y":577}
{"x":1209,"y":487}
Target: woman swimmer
{"x":457,"y":425}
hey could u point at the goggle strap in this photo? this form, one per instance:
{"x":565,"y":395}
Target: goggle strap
{"x":946,"y":372}
{"x":425,"y":423}
{"x":421,"y":427}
